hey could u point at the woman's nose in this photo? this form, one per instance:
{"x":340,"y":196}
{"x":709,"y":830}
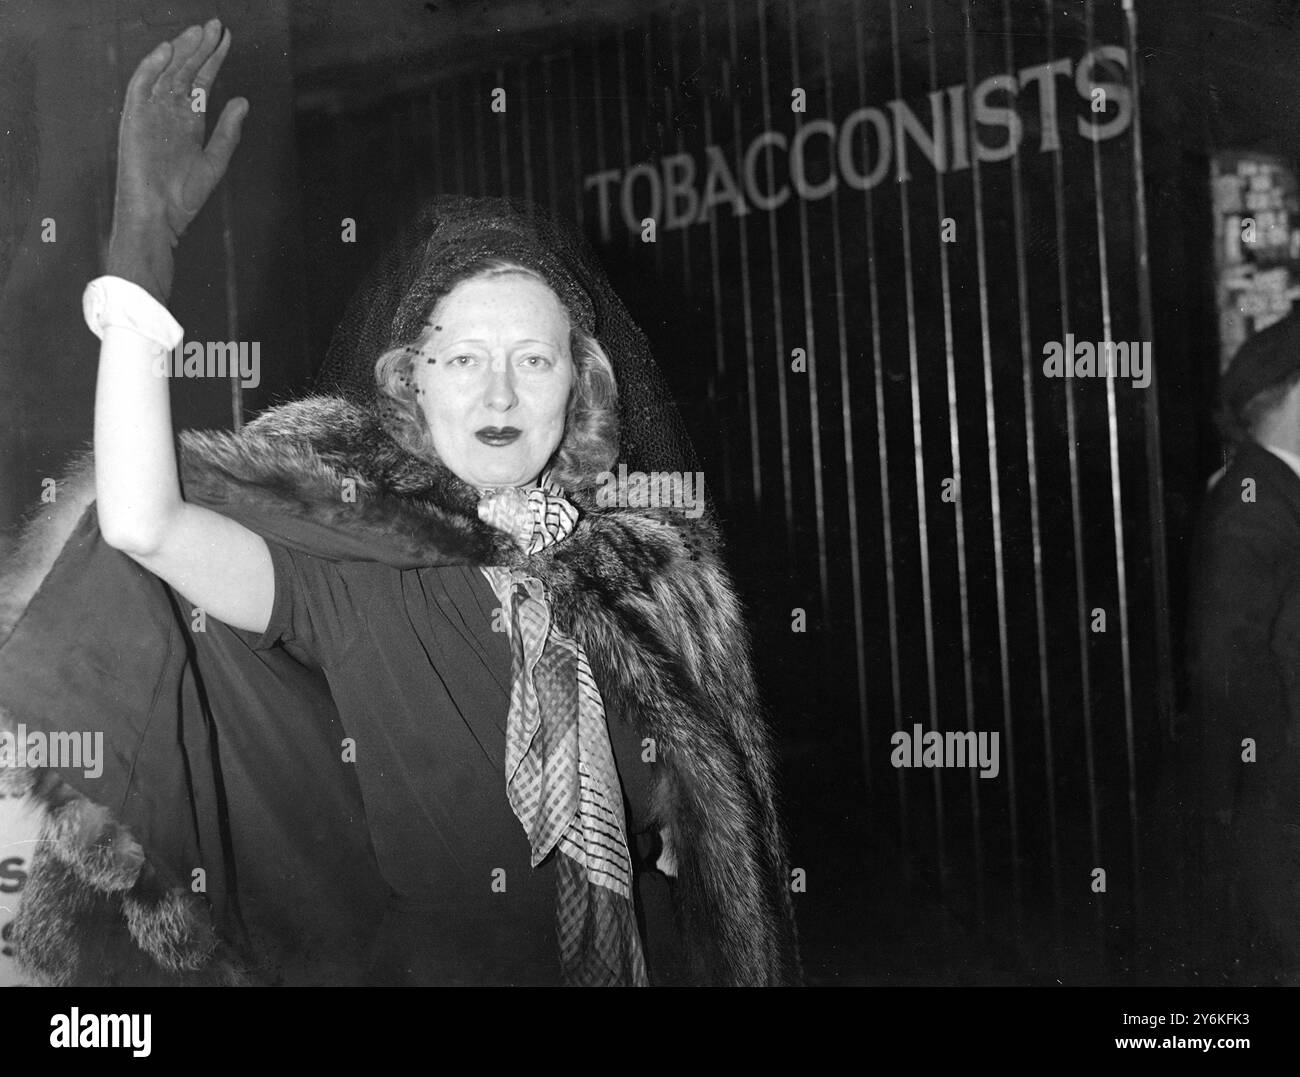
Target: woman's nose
{"x":500,"y":390}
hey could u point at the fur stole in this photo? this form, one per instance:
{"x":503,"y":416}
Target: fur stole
{"x":643,"y":590}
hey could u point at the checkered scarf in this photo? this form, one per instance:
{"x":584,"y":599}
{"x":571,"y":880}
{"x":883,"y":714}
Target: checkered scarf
{"x":560,"y":774}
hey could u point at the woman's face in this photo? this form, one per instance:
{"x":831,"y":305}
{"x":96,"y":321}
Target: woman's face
{"x":494,"y":379}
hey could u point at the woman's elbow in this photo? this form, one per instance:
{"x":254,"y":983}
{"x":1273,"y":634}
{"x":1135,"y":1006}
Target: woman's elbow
{"x":134,"y":542}
{"x":136,"y":536}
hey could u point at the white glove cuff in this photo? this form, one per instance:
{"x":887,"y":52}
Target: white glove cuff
{"x":111,"y":302}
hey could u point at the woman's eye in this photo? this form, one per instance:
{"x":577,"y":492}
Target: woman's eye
{"x":461,"y":360}
{"x":536,"y":361}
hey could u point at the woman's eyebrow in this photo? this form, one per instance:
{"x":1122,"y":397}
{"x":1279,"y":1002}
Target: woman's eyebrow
{"x":479,"y":340}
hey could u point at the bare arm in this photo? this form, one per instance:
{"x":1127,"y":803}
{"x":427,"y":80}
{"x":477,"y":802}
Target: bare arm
{"x":164,"y":177}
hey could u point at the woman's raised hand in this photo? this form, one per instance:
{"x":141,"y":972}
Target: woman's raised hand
{"x":164,"y":172}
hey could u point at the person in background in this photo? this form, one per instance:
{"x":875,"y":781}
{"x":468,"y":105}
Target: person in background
{"x":1244,"y":667}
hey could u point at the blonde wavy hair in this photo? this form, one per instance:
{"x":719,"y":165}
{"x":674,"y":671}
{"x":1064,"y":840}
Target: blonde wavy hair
{"x":589,"y":446}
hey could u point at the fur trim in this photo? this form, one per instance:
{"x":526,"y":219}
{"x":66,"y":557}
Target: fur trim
{"x":658,"y":617}
{"x":41,"y":539}
{"x":643,"y":590}
{"x":89,"y":875}
{"x":325,"y":461}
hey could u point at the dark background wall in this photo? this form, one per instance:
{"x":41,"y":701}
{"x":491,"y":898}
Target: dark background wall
{"x":240,"y":270}
{"x":359,"y":110}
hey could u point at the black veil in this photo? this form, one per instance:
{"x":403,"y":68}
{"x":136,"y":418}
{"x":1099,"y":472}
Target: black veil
{"x":449,"y":232}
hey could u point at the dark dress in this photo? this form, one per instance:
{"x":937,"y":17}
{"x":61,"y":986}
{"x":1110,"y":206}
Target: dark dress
{"x":422,"y":686}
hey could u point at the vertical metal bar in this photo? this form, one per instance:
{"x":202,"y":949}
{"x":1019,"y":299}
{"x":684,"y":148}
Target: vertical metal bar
{"x":435,"y":140}
{"x":1155,"y":472}
{"x":502,"y":140}
{"x":458,"y":141}
{"x":846,"y":422}
{"x":525,"y":135}
{"x":719,"y":374}
{"x":232,"y":303}
{"x":395,"y":164}
{"x":650,"y":105}
{"x":778,"y":315}
{"x":597,"y":102}
{"x":684,"y":260}
{"x":480,"y":157}
{"x":954,"y":448}
{"x":625,"y":122}
{"x":414,"y":130}
{"x":922,"y":526}
{"x":1116,"y":492}
{"x":810,"y":341}
{"x":109,"y":78}
{"x":1035,"y":526}
{"x":670,"y":102}
{"x":995,"y":484}
{"x":747,"y":304}
{"x":579,"y":195}
{"x":548,"y":93}
{"x":1076,"y":511}
{"x":882,"y":453}
{"x":397,"y":158}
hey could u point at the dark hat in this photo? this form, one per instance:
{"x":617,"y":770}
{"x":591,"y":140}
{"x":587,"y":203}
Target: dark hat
{"x":1270,"y":358}
{"x":451,"y":232}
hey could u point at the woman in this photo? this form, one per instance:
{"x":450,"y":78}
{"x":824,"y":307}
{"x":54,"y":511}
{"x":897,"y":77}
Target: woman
{"x":394,"y":592}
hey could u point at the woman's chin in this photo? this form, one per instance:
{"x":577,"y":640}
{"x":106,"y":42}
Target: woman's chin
{"x":497,"y":477}
{"x":483,"y":466}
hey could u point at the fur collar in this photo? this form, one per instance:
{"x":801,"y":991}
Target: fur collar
{"x":643,"y":590}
